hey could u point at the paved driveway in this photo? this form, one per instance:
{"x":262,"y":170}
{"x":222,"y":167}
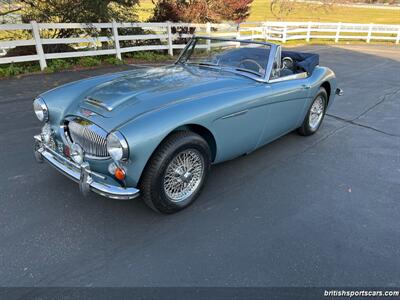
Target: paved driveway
{"x":316,"y":211}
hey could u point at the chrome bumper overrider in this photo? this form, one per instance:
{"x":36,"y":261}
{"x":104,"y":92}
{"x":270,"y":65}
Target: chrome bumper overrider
{"x":87,"y":179}
{"x":339,"y":92}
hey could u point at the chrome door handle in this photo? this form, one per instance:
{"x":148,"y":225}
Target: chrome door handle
{"x":306,"y":87}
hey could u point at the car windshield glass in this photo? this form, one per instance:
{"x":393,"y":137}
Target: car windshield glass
{"x":231,"y":55}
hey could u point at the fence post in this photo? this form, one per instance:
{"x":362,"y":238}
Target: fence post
{"x":38,"y":45}
{"x":284,"y":35}
{"x":238,"y":34}
{"x":208,"y":31}
{"x":308,"y":31}
{"x":116,"y":39}
{"x":170,"y":49}
{"x":339,"y":26}
{"x":266,"y":31}
{"x":398,"y":36}
{"x":369,"y":33}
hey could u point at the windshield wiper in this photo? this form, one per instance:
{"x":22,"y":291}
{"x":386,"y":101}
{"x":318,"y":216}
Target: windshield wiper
{"x":204,"y":64}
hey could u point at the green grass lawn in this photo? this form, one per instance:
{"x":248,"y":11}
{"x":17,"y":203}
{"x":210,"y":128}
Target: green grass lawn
{"x":260,"y":12}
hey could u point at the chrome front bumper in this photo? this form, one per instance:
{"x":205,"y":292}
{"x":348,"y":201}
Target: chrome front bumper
{"x":88,"y":180}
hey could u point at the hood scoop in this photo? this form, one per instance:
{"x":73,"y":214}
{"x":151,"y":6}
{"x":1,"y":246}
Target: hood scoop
{"x":98,"y":103}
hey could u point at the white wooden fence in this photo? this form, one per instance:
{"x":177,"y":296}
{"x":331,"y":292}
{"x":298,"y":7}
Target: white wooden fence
{"x":286,"y":31}
{"x":162,"y":34}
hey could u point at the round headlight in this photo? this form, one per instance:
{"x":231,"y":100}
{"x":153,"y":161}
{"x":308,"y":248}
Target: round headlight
{"x":117,"y":146}
{"x":41,"y":110}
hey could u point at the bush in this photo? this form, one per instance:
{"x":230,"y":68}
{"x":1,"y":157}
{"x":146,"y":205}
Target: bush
{"x":10,"y":70}
{"x":31,"y":50}
{"x":150,"y":56}
{"x":89,"y":61}
{"x":56,"y":65}
{"x":112,"y":60}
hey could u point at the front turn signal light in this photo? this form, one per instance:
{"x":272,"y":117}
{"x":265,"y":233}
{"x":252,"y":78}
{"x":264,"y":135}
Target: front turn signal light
{"x":119,"y":173}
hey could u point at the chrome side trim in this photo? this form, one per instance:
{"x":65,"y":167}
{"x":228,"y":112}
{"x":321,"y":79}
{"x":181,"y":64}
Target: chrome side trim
{"x":290,"y":77}
{"x":239,"y":113}
{"x":82,"y":174}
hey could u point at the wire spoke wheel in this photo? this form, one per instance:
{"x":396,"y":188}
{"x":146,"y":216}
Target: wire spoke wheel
{"x":316,"y":113}
{"x":183,"y":175}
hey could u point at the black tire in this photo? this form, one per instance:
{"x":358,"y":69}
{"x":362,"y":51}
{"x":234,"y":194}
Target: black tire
{"x":305,"y":128}
{"x":152,"y":181}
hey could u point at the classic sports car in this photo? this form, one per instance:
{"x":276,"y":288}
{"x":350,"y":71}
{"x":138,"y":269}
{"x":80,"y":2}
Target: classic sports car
{"x":155,"y":132}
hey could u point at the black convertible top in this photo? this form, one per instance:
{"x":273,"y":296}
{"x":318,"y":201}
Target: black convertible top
{"x":305,"y":62}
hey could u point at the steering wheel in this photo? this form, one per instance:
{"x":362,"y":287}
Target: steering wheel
{"x":287,"y":63}
{"x":252,"y":61}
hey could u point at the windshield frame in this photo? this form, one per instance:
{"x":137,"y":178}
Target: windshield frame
{"x":269,"y":64}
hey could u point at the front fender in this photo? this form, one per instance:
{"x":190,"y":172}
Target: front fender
{"x":145,"y":134}
{"x":320,"y":76}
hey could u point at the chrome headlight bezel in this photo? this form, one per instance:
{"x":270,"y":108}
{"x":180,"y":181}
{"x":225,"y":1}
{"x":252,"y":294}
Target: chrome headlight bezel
{"x":117,"y":146}
{"x":41,"y":110}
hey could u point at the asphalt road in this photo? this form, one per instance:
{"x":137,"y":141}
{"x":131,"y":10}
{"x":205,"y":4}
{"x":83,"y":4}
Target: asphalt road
{"x":316,"y":211}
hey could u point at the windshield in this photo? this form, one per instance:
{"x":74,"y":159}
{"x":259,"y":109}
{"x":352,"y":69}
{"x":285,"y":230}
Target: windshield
{"x":231,"y":55}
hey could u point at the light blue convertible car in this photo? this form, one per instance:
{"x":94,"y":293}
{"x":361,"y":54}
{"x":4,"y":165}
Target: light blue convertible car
{"x":155,"y":132}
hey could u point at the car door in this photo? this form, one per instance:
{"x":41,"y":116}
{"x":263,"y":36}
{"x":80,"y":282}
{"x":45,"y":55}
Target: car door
{"x":285,"y":101}
{"x":285,"y":98}
{"x":240,"y":124}
{"x":260,"y":114}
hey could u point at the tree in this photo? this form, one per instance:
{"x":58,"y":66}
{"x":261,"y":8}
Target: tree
{"x":201,"y":10}
{"x":69,"y":11}
{"x":9,"y":10}
{"x":235,"y":10}
{"x":80,"y":11}
{"x":77,"y":11}
{"x":282,"y":8}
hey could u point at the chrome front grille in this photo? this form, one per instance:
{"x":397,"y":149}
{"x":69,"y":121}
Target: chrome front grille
{"x":89,"y":136}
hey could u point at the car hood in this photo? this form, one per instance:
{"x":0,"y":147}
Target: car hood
{"x":142,"y":91}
